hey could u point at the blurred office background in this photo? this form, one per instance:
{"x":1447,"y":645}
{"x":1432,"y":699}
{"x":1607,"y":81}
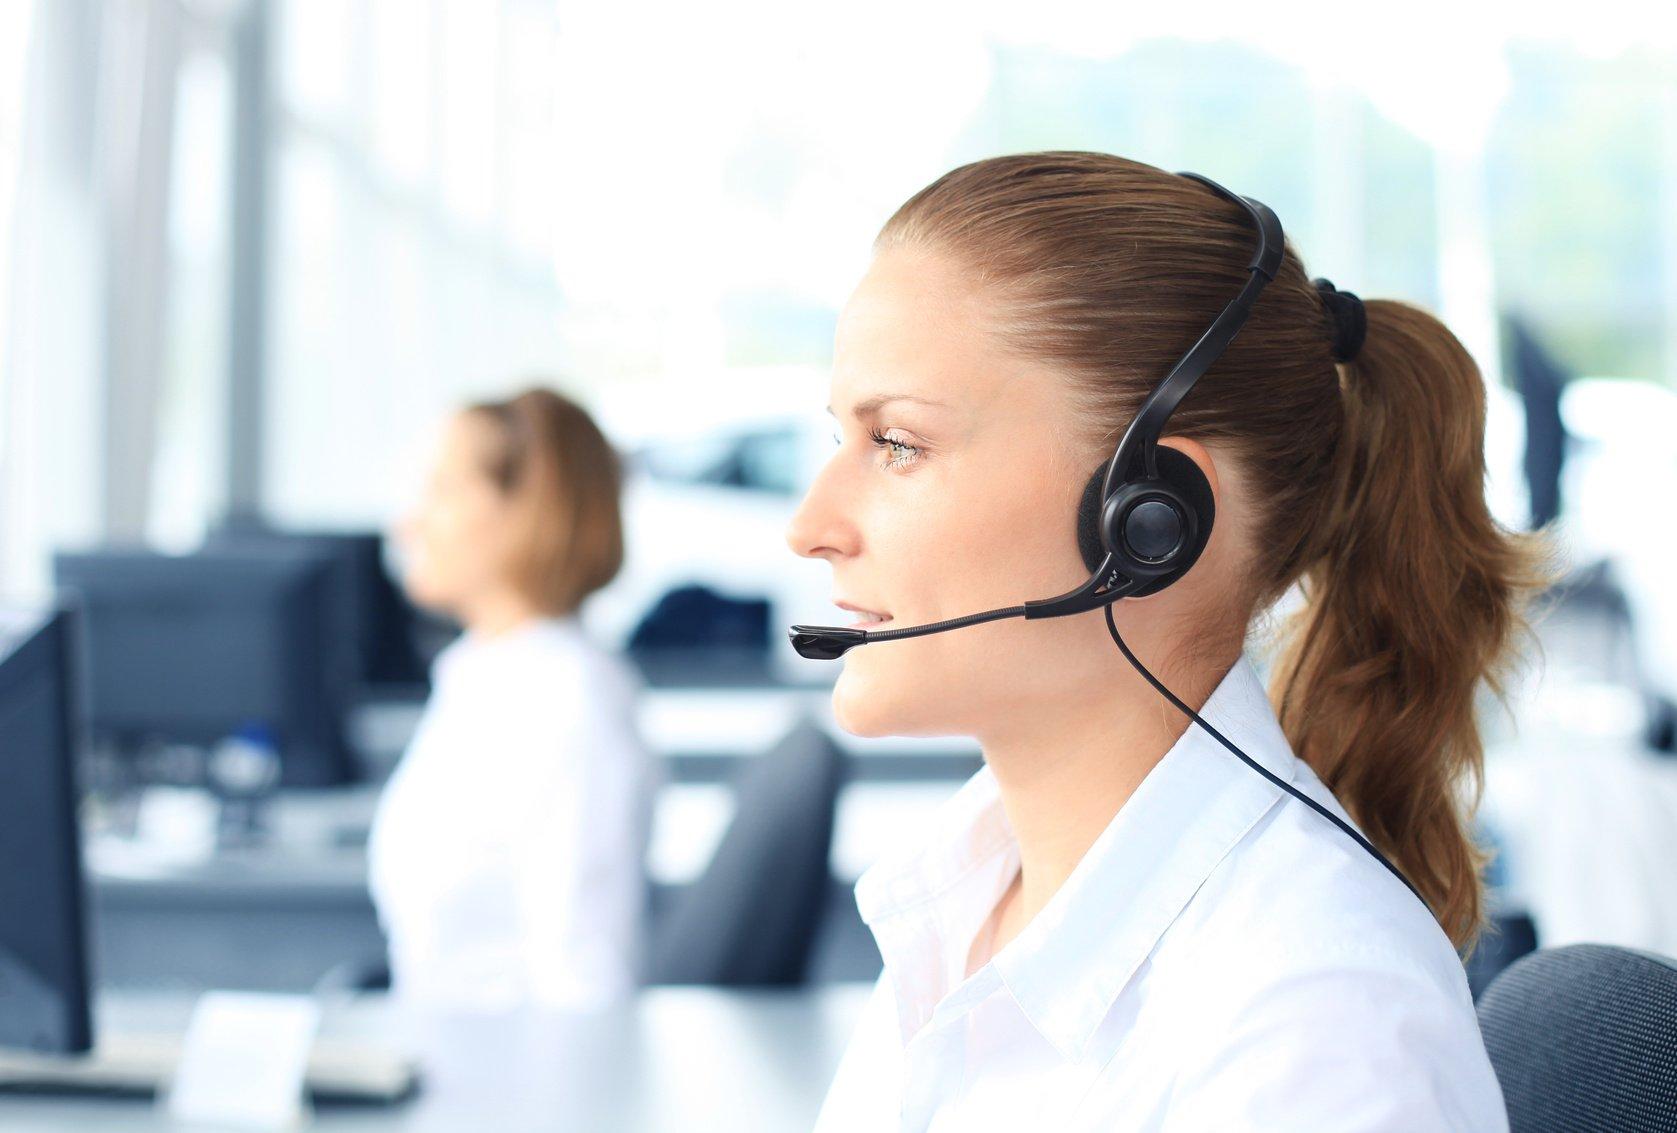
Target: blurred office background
{"x":251,"y":253}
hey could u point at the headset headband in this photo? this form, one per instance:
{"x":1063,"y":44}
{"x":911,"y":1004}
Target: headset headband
{"x":1139,"y":444}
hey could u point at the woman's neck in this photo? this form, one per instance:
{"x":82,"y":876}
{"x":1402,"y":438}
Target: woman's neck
{"x":1062,"y":782}
{"x":496,"y":613}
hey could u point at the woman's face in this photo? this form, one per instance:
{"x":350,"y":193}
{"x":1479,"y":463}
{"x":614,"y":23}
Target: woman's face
{"x":969,"y":503}
{"x":455,"y":539}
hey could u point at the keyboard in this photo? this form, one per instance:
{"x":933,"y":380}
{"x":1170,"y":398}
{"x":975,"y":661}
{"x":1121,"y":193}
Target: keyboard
{"x":340,"y":1070}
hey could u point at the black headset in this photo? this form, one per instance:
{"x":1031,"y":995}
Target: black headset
{"x":1144,"y":517}
{"x":1147,"y":513}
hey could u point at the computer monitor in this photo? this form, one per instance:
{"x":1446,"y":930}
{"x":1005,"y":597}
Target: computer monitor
{"x":191,"y":649}
{"x":381,"y":621}
{"x":43,"y":953}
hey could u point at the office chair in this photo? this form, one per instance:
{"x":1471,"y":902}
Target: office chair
{"x":1540,"y":379}
{"x":1584,"y":1038}
{"x":751,"y":919}
{"x":1506,"y":939}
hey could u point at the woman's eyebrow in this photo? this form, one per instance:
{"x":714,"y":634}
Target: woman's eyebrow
{"x":863,"y":408}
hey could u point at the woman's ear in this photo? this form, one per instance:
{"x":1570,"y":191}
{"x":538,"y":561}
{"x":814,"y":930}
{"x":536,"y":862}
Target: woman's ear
{"x":1197,"y":453}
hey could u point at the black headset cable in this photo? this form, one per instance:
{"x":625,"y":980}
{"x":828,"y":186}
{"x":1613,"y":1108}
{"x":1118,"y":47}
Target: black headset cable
{"x":1112,"y":628}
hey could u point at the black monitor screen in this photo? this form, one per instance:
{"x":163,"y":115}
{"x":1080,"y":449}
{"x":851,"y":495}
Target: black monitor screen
{"x":43,"y":974}
{"x":376,"y":615}
{"x":194,"y":648}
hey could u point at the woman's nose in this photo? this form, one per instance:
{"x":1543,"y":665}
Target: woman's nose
{"x":818,"y":530}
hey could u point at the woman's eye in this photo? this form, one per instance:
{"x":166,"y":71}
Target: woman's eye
{"x":901,"y":452}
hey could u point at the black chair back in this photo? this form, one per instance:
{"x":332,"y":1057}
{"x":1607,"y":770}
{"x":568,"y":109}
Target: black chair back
{"x":751,"y":919}
{"x":1584,"y":1038}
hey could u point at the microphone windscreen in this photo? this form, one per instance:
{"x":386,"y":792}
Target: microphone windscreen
{"x":825,"y":643}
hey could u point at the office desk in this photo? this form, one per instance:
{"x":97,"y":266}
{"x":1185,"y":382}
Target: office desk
{"x":280,"y":915}
{"x":706,"y":735}
{"x":675,"y":1059}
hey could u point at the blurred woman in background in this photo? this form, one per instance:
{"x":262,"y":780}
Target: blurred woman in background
{"x":506,"y":855}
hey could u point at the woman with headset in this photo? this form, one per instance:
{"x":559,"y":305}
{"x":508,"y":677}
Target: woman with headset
{"x":1171,"y":899}
{"x":506,"y":852}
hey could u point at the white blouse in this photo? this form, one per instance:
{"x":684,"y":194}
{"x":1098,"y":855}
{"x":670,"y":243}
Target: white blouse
{"x":1222,"y":958}
{"x":506,"y":854}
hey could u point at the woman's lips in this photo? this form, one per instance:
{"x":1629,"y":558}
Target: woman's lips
{"x":866,"y":618}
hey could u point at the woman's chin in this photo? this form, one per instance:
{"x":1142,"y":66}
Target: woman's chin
{"x":422,"y":592}
{"x":865,"y":703}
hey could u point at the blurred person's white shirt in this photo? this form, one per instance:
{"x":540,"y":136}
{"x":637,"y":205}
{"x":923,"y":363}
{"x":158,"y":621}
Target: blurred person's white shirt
{"x":1222,"y":958}
{"x":506,"y":857}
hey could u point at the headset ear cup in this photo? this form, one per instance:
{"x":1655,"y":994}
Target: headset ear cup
{"x":1089,"y":522}
{"x":1178,"y":470}
{"x":1181,"y":473}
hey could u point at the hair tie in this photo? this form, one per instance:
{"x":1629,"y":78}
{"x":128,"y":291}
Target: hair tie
{"x":1350,"y":322}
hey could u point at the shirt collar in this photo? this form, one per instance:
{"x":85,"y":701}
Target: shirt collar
{"x":924,"y":903}
{"x":1068,"y":966}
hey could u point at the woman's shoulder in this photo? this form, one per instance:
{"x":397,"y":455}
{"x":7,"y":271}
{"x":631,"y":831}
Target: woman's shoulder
{"x":540,"y":681}
{"x":555,"y":654}
{"x":1320,"y":972}
{"x":1297,"y":896}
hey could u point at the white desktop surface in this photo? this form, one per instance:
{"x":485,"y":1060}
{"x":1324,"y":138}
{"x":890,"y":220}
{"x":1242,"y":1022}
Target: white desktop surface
{"x":308,"y":846}
{"x":674,"y":1059}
